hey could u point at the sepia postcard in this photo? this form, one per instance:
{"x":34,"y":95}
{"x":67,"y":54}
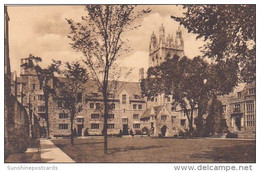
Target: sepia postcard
{"x":128,"y":83}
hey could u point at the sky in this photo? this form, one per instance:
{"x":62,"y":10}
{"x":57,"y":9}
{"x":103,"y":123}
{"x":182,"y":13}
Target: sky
{"x":42,"y":31}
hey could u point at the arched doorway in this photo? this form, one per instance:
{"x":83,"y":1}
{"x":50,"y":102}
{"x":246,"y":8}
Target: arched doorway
{"x":163,"y":131}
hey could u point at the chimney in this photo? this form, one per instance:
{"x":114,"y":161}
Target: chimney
{"x":141,"y":74}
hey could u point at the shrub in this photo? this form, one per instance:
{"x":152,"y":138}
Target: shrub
{"x":231,"y":135}
{"x":18,"y":140}
{"x":138,"y":132}
{"x":131,"y":133}
{"x":181,"y":133}
{"x":86,"y":132}
{"x":120,"y":133}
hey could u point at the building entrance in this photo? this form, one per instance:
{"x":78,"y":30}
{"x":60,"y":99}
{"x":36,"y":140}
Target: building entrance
{"x":79,"y":130}
{"x":163,"y":131}
{"x":125,"y":129}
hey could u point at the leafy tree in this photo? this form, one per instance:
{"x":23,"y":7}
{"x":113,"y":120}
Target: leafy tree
{"x":98,"y":37}
{"x":215,"y":121}
{"x":70,"y":90}
{"x":182,"y":78}
{"x":229,"y":32}
{"x":192,"y":83}
{"x":45,"y":76}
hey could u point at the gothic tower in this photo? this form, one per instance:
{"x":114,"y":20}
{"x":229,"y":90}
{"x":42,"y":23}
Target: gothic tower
{"x":161,"y":35}
{"x":179,"y":40}
{"x":161,"y":50}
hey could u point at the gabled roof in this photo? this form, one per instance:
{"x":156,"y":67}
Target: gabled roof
{"x":152,"y":111}
{"x":115,"y":87}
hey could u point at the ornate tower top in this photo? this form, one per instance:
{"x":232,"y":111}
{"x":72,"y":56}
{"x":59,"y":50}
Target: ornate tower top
{"x":178,"y":39}
{"x":161,"y":35}
{"x":169,"y":40}
{"x":153,"y":42}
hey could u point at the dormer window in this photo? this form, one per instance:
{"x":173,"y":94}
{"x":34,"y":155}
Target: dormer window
{"x":173,"y":108}
{"x":163,"y":117}
{"x":124,"y":99}
{"x":239,"y":94}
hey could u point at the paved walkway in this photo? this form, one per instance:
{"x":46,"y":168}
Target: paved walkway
{"x":51,"y":153}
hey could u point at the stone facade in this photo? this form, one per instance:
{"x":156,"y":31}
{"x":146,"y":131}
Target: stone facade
{"x":162,"y":48}
{"x":126,"y":107}
{"x":27,"y":90}
{"x":239,"y":110}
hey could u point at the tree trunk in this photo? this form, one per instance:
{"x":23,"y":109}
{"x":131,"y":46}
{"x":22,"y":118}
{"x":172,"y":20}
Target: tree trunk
{"x":105,"y":85}
{"x":191,"y":120}
{"x":72,"y":132}
{"x":46,"y":97}
{"x":105,"y":125}
{"x":200,"y":121}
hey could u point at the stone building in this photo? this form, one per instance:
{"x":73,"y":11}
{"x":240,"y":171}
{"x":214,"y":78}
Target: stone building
{"x":162,"y":48}
{"x":240,"y":111}
{"x":161,"y":117}
{"x":126,"y":106}
{"x":27,"y":90}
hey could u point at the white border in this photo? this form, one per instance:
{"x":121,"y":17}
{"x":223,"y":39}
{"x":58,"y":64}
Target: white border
{"x":116,"y":166}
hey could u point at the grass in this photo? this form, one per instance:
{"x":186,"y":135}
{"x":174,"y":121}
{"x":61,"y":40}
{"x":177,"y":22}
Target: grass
{"x":159,"y":150}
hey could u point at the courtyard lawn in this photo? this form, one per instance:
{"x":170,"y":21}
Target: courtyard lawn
{"x":159,"y":150}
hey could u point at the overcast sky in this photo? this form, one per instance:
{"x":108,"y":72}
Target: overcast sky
{"x":42,"y":31}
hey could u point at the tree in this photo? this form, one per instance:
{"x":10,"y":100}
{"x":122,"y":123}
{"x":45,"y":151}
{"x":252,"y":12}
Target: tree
{"x":182,"y":78}
{"x":70,"y":90}
{"x":192,"y":83}
{"x":215,"y":121}
{"x":98,"y":37}
{"x":45,"y":77}
{"x":229,"y":32}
